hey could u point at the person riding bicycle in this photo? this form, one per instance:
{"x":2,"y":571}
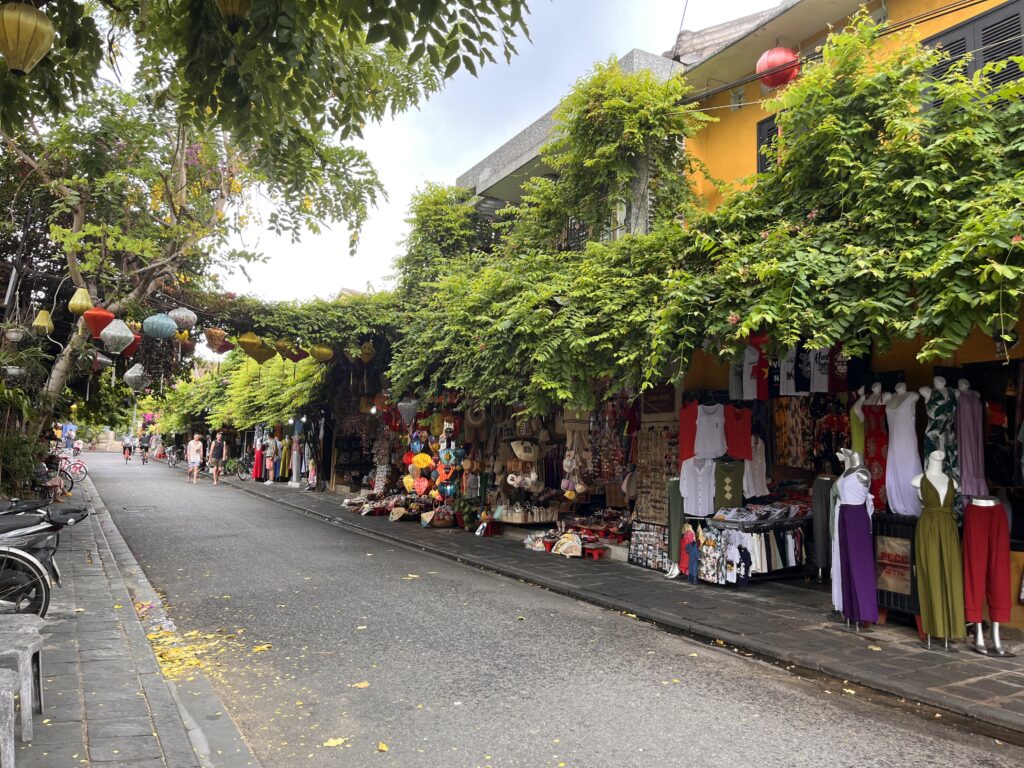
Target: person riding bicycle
{"x":77,"y":446}
{"x":126,"y":446}
{"x":144,"y":442}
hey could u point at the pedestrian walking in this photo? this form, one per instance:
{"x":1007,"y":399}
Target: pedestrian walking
{"x":269,"y":457}
{"x":218,"y":455}
{"x":194,"y":457}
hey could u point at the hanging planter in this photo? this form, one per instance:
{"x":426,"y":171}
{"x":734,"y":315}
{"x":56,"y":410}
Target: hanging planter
{"x":184,"y":318}
{"x":159,"y":326}
{"x":26,"y":36}
{"x":13,"y":372}
{"x":132,"y":348}
{"x":322,"y":353}
{"x":136,"y":378}
{"x":81,"y":302}
{"x":14,"y":334}
{"x":235,"y":12}
{"x":43,"y":322}
{"x":135,"y":325}
{"x":97,"y":319}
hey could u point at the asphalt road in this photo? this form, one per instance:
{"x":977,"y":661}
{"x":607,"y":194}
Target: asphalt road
{"x":465,"y":668}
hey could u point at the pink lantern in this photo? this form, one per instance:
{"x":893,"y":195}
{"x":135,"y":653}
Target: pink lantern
{"x":778,"y":57}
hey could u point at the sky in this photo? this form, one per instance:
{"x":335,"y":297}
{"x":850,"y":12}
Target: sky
{"x":462,"y":124}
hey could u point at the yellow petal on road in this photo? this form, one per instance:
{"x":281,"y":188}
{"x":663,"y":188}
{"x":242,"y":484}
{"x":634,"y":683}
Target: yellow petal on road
{"x":849,"y":691}
{"x":339,"y":742}
{"x":364,"y":684}
{"x":382,"y":747}
{"x":261,"y":648}
{"x":874,"y":647}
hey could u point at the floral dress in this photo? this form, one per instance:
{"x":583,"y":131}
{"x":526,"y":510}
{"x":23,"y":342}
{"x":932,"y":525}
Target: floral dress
{"x":940,"y":434}
{"x":876,"y":448}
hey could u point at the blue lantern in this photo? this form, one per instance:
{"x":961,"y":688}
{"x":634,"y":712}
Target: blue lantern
{"x":159,"y":326}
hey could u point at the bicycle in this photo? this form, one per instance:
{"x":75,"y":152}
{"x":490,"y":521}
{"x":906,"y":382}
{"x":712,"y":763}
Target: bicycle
{"x":243,"y":466}
{"x":173,"y":456}
{"x":75,"y":468}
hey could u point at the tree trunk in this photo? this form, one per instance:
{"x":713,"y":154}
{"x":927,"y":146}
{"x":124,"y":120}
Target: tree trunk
{"x":637,"y":223}
{"x":55,"y":382}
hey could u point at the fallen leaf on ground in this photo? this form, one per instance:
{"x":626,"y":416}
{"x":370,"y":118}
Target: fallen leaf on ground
{"x":79,"y":610}
{"x":361,"y":626}
{"x":336,"y":742}
{"x":520,"y":618}
{"x":874,"y":647}
{"x":364,"y":684}
{"x":693,"y":654}
{"x":719,"y":642}
{"x":849,"y":691}
{"x":630,"y":615}
{"x":261,"y":648}
{"x":118,"y":605}
{"x":410,"y":576}
{"x":382,"y":747}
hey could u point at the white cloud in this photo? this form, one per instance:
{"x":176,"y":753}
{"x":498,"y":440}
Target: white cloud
{"x":468,"y":120}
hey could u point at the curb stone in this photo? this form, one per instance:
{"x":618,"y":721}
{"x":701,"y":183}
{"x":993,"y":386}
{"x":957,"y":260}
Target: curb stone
{"x":217,"y":745}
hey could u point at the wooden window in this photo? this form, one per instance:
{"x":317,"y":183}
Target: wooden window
{"x":767,"y":133}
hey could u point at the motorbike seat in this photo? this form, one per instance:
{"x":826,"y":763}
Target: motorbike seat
{"x":17,"y":522}
{"x":17,"y":506}
{"x":67,"y":515}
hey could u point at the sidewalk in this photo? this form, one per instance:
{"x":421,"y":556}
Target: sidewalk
{"x":776,"y":620}
{"x":107,"y":703}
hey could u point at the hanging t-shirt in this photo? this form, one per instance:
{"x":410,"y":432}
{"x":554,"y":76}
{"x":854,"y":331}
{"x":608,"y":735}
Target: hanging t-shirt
{"x":802,"y":369}
{"x":736,"y":380}
{"x":751,"y":367}
{"x":820,"y":370}
{"x":710,"y":441}
{"x":728,"y":484}
{"x":738,"y":432}
{"x":697,"y":487}
{"x":687,"y":429}
{"x":838,"y":371}
{"x":787,"y":374}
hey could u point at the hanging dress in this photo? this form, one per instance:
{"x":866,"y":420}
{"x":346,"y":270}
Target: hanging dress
{"x":940,"y":576}
{"x":257,"y":464}
{"x":856,"y":433}
{"x":903,"y":463}
{"x":856,"y":550}
{"x":940,"y":434}
{"x":971,"y":444}
{"x":876,"y":447}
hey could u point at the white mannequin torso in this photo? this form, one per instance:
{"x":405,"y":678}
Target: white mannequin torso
{"x":895,"y":400}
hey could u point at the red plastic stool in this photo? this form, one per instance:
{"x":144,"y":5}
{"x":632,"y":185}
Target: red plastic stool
{"x":595,"y":553}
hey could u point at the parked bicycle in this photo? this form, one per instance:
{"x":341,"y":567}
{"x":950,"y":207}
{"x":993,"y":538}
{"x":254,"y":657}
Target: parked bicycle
{"x":173,"y":456}
{"x":75,"y":468}
{"x":243,"y":466}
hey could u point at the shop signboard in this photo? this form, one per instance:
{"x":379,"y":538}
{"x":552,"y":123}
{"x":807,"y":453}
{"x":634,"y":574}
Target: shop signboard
{"x":893,"y":564}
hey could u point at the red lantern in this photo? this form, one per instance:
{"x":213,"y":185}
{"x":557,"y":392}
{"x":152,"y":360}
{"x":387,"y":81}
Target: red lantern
{"x":97,"y":319}
{"x":225,"y":347}
{"x":132,"y":348}
{"x":296,"y":354}
{"x":407,"y":458}
{"x":778,"y":57}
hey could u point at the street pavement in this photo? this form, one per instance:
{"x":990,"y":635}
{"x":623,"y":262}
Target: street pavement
{"x":321,"y":636}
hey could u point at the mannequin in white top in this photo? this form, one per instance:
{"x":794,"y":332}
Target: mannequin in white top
{"x":940,"y":384}
{"x":896,"y":399}
{"x":877,"y":396}
{"x":933,"y":470}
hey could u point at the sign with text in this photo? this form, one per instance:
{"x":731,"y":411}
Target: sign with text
{"x":893,"y":564}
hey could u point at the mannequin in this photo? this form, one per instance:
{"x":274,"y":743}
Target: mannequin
{"x":940,"y":578}
{"x":857,"y":422}
{"x":940,"y":431}
{"x":986,"y":569}
{"x":876,"y":445}
{"x":854,"y":543}
{"x":903,"y":462}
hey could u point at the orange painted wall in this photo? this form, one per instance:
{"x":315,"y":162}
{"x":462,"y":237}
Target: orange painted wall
{"x":728,"y":148}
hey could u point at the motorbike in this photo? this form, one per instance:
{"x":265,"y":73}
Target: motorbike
{"x":29,"y":537}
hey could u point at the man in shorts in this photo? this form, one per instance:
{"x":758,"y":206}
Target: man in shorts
{"x":218,"y":455}
{"x":194,"y":457}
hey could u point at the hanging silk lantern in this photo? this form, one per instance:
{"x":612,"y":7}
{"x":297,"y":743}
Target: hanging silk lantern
{"x":774,"y":58}
{"x":26,"y":36}
{"x":132,"y":348}
{"x":407,"y":408}
{"x":181,"y":336}
{"x":81,"y":302}
{"x":283,"y":347}
{"x":409,"y":482}
{"x":422,"y":460}
{"x":249,"y":341}
{"x":184,"y":318}
{"x":367,"y":352}
{"x":235,"y":12}
{"x":100,"y":362}
{"x":224,"y":348}
{"x":407,"y":458}
{"x":422,"y":485}
{"x":136,"y":378}
{"x":261,"y":353}
{"x":322,"y":353}
{"x":159,"y":326}
{"x":43,"y":322}
{"x":214,"y":337}
{"x":97,"y":319}
{"x":296,"y":354}
{"x":117,"y":336}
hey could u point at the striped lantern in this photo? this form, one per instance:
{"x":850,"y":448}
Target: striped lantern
{"x":81,"y":302}
{"x":159,"y":326}
{"x":43,"y":322}
{"x":26,"y":36}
